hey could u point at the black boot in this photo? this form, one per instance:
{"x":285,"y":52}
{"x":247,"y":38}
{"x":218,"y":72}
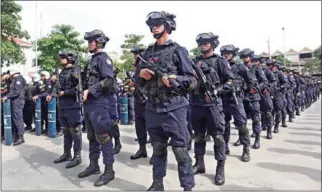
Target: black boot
{"x":252,"y":135}
{"x":257,"y":141}
{"x":189,"y":145}
{"x":19,"y":141}
{"x":157,"y":185}
{"x":151,"y":160}
{"x":284,"y":123}
{"x":66,"y":156}
{"x":75,"y":161}
{"x":117,"y":145}
{"x":93,"y":168}
{"x":208,"y":138}
{"x":297,"y":112}
{"x":246,"y":154}
{"x":106,"y":177}
{"x":269,"y":133}
{"x":276,"y":130}
{"x":199,"y":166}
{"x":290,"y":118}
{"x":227,"y":149}
{"x":141,"y":153}
{"x":264,"y":128}
{"x":220,"y":173}
{"x":237,"y":143}
{"x":28,"y":128}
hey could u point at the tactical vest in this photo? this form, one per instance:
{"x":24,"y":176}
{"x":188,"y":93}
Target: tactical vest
{"x":209,"y":67}
{"x":239,"y":82}
{"x":163,"y":59}
{"x":67,"y":80}
{"x":22,"y":94}
{"x":92,"y":74}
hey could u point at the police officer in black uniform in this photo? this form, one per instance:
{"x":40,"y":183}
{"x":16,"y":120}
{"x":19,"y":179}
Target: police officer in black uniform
{"x":69,"y":109}
{"x":5,"y":84}
{"x":139,"y":107}
{"x":99,"y":90}
{"x":207,"y":115}
{"x":17,"y":97}
{"x":243,"y":80}
{"x":166,"y":107}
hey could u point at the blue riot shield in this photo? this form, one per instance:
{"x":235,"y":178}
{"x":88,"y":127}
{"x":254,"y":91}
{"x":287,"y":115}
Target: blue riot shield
{"x":124,"y":111}
{"x":7,"y":122}
{"x":38,"y":117}
{"x":52,"y":118}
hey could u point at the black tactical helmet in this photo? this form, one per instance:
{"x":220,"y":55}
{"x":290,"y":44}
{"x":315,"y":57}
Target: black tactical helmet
{"x":246,"y":53}
{"x":227,"y":49}
{"x":271,"y":62}
{"x":208,"y":38}
{"x":96,"y":35}
{"x":69,"y":55}
{"x":137,"y":49}
{"x":159,"y":18}
{"x":256,"y":58}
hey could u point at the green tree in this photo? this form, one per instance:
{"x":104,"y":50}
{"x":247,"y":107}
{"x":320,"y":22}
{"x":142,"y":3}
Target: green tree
{"x":11,"y":53}
{"x":280,"y":59}
{"x":194,"y":52}
{"x":127,"y":58}
{"x":314,"y":65}
{"x":61,"y":37}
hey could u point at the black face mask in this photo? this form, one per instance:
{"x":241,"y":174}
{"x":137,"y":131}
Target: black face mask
{"x":206,"y":52}
{"x":158,"y":35}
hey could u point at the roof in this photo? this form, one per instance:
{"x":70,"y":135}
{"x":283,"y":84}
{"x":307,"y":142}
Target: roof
{"x":21,"y":42}
{"x":291,"y":52}
{"x":277,"y":53}
{"x":264,"y":54}
{"x":305,"y":50}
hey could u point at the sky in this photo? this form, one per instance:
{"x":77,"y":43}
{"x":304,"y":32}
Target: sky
{"x":246,"y":24}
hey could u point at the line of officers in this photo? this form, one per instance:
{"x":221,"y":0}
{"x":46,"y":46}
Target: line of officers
{"x":172,"y":102}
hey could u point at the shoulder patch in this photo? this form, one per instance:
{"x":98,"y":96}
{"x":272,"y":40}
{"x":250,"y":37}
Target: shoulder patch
{"x":109,"y":61}
{"x":18,"y":82}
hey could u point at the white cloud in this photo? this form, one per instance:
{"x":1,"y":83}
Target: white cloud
{"x":244,"y":24}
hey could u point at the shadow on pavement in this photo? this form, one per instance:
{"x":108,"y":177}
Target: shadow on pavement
{"x":306,"y":134}
{"x":313,"y":174}
{"x":305,"y":129}
{"x":45,"y":158}
{"x":129,"y":140}
{"x":303,"y":142}
{"x":294,"y":151}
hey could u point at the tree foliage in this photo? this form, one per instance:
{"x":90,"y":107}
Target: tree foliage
{"x":313,"y":65}
{"x":127,"y":58}
{"x":11,"y":53}
{"x":61,"y":37}
{"x":194,"y":52}
{"x":280,"y":59}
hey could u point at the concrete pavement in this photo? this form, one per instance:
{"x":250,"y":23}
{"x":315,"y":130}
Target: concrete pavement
{"x":291,"y":161}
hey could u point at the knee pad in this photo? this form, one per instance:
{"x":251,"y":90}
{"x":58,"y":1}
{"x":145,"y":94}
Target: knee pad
{"x":102,"y":138}
{"x":256,"y":119}
{"x":218,"y":140}
{"x":66,"y":131}
{"x":159,"y":149}
{"x":243,"y":130}
{"x":200,"y":138}
{"x":181,"y":154}
{"x":75,"y":130}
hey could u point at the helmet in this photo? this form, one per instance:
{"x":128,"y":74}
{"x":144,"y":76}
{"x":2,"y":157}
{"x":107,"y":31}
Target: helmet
{"x":208,"y":38}
{"x":14,"y":71}
{"x":271,"y":62}
{"x":229,"y":49}
{"x":36,"y":77}
{"x":136,"y":49}
{"x":96,"y":35}
{"x":46,"y":74}
{"x":70,"y":55}
{"x":256,"y":58}
{"x":246,"y":53}
{"x":162,"y":17}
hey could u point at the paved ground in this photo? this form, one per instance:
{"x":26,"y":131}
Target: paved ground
{"x":291,"y":161}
